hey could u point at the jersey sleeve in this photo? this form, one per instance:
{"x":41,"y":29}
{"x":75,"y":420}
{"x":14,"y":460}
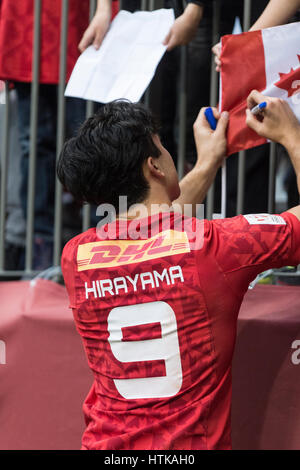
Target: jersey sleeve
{"x":247,"y":245}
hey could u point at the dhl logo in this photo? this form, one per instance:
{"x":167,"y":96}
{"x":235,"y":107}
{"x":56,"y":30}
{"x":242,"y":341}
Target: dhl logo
{"x":110,"y":253}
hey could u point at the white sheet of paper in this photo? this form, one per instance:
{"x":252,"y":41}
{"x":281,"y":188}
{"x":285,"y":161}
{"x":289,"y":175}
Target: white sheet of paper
{"x":126,"y":62}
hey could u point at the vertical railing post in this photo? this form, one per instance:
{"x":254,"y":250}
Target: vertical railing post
{"x":151,"y":5}
{"x":247,"y":15}
{"x":242,"y":155}
{"x":33,"y":135}
{"x":213,"y":93}
{"x":147,"y":5}
{"x":4,"y":173}
{"x":90,"y":106}
{"x":272,"y":178}
{"x":241,"y":182}
{"x":61,"y":112}
{"x":182,"y":110}
{"x":144,"y":5}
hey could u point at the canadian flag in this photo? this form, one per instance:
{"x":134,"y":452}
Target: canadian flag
{"x":266,"y":60}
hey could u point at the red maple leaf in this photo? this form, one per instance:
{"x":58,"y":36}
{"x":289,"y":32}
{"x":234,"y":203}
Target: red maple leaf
{"x":290,"y":81}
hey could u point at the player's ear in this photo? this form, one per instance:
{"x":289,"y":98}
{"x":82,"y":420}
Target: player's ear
{"x":154,"y":167}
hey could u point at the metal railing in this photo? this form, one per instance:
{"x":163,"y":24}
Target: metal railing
{"x":61,"y":116}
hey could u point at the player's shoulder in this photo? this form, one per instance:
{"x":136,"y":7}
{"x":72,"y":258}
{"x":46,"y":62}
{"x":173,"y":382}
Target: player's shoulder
{"x":245,"y":222}
{"x":192,"y":225}
{"x":70,"y":248}
{"x":244,"y":230}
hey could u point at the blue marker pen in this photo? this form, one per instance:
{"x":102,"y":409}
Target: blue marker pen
{"x":211,"y":118}
{"x":259,"y":108}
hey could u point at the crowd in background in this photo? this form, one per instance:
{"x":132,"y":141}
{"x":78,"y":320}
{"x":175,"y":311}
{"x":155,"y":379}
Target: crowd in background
{"x":193,"y":27}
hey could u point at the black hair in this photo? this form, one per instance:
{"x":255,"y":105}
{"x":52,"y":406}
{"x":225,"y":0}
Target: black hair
{"x":105,"y":159}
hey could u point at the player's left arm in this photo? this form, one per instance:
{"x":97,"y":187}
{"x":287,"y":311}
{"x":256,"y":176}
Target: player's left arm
{"x":211,"y":151}
{"x":246,"y":245}
{"x":98,"y":27}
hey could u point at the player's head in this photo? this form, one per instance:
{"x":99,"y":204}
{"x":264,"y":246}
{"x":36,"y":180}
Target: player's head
{"x":117,"y":152}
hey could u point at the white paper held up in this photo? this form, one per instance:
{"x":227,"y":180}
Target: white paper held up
{"x":126,"y":62}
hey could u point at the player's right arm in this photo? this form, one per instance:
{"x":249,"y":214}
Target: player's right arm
{"x":280,"y":125}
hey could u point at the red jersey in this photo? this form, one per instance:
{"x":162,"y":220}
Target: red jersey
{"x":158,"y":321}
{"x":16,"y":34}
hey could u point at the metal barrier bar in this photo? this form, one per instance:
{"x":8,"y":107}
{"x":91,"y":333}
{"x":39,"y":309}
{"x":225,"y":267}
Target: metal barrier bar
{"x":19,"y":273}
{"x":4,"y":172}
{"x":151,"y":5}
{"x":86,"y":217}
{"x":147,"y":5}
{"x":90,"y":105}
{"x":214,"y":80}
{"x":242,"y":155}
{"x":93,"y":7}
{"x":272,"y":177}
{"x":247,"y":15}
{"x":241,"y":182}
{"x":33,"y":135}
{"x":182,"y":110}
{"x":144,"y":5}
{"x":61,"y":112}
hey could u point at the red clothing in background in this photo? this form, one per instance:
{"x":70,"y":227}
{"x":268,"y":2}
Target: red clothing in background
{"x":16,"y":32}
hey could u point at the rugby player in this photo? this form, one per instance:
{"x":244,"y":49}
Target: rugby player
{"x":158,"y":313}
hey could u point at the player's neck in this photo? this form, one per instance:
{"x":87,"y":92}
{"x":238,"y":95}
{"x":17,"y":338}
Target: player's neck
{"x":157,"y":201}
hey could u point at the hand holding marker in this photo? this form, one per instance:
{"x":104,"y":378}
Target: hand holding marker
{"x":259,"y":108}
{"x":210,"y":118}
{"x":213,"y":122}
